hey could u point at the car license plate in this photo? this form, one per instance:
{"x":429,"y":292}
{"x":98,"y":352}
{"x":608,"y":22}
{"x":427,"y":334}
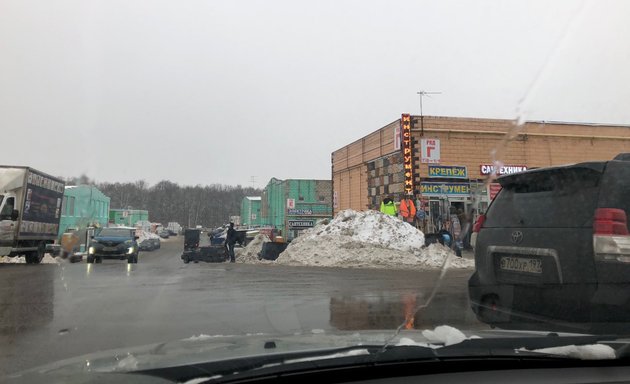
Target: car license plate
{"x":109,"y":249}
{"x":521,"y":264}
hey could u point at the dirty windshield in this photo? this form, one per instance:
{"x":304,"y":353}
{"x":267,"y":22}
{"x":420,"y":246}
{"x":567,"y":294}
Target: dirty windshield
{"x":254,"y":178}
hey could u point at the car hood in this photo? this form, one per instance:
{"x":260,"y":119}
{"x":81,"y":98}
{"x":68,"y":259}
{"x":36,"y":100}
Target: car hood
{"x":111,"y":366}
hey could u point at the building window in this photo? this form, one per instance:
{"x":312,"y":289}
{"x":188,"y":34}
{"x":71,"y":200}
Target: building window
{"x":71,"y":206}
{"x":301,"y":198}
{"x":64,"y":206}
{"x":322,"y":198}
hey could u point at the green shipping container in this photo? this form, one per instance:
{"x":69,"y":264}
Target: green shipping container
{"x":128,"y":217}
{"x":296,"y":204}
{"x":83,"y":206}
{"x":250,"y":211}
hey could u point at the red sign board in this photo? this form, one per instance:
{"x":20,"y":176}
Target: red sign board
{"x":405,"y":125}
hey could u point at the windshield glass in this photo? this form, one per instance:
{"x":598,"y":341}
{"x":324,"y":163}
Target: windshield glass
{"x":114,"y":232}
{"x":338,"y":173}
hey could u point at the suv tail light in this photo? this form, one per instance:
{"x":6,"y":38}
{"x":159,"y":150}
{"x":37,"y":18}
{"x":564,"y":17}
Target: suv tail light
{"x":479,"y":223}
{"x":611,"y":240}
{"x":610,"y":221}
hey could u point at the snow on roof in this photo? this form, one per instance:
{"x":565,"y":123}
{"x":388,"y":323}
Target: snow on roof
{"x":255,"y":198}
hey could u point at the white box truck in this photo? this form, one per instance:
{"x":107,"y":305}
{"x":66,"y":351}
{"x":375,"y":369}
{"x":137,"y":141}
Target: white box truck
{"x":30,"y":210}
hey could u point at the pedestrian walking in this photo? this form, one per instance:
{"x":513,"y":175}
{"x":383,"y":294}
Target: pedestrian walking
{"x":230,"y":241}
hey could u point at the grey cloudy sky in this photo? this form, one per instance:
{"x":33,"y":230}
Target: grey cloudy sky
{"x":202,"y":92}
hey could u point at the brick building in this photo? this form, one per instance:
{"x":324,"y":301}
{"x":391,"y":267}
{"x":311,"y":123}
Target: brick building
{"x":450,"y":159}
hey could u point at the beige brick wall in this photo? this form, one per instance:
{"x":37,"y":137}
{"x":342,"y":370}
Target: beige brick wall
{"x":472,"y":142}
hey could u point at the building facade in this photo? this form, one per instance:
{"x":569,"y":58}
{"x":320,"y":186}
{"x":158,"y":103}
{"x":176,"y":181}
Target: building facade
{"x":290,"y":206}
{"x":83,"y":206}
{"x":128,"y":217}
{"x":250,"y":211}
{"x":447,"y":161}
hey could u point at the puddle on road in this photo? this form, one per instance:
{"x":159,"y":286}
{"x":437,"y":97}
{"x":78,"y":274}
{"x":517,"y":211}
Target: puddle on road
{"x":389,"y":311}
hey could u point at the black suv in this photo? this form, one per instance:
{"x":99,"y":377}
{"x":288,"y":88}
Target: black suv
{"x":114,"y":243}
{"x":554,"y":249}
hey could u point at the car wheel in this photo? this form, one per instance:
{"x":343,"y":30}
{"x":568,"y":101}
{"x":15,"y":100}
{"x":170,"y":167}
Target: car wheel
{"x":90,"y":259}
{"x":98,"y":260}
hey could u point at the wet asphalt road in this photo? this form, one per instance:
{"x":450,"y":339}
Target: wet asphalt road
{"x":52,"y":312}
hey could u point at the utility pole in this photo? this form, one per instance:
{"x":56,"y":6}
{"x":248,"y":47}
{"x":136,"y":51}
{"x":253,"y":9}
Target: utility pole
{"x":253,"y":181}
{"x":422,"y":94}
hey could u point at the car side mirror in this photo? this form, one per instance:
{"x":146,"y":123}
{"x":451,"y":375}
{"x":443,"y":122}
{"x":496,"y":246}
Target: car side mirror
{"x":15,"y":215}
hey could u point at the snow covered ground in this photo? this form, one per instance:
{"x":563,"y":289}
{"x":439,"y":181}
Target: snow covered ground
{"x":366,"y":239}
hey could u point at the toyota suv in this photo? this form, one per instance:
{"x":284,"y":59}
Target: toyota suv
{"x":554,"y":249}
{"x":114,"y":243}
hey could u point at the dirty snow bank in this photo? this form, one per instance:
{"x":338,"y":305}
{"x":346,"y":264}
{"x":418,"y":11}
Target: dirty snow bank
{"x":367,"y":239}
{"x":146,"y":235}
{"x":249,"y":254}
{"x":48,"y":259}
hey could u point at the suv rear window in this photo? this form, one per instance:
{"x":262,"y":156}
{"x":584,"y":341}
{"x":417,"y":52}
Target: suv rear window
{"x":550,"y":198}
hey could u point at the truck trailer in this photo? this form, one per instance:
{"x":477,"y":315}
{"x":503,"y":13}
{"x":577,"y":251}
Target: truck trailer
{"x":30,"y":210}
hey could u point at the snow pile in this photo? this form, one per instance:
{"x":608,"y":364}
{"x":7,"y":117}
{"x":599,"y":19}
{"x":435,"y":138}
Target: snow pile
{"x":249,"y":254}
{"x":444,"y":334}
{"x":367,"y":239}
{"x":48,"y":259}
{"x":143,"y":235}
{"x":581,"y":352}
{"x":369,"y":227}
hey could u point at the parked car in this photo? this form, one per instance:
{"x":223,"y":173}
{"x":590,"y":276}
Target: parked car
{"x":554,"y":247}
{"x":114,"y":243}
{"x":149,"y":244}
{"x":164,"y":234}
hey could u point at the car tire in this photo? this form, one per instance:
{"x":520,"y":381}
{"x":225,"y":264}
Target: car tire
{"x":98,"y":260}
{"x":89,"y":259}
{"x":133,"y":259}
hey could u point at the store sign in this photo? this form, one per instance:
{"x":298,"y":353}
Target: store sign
{"x":488,"y":169}
{"x":441,"y":189}
{"x":494,"y":190}
{"x":297,"y":224}
{"x":405,"y":123}
{"x":446,"y":171}
{"x":290,"y":203}
{"x":253,"y":216}
{"x":430,"y":150}
{"x":300,"y":211}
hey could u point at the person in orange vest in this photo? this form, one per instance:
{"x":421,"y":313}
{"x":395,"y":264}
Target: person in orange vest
{"x":408,"y":209}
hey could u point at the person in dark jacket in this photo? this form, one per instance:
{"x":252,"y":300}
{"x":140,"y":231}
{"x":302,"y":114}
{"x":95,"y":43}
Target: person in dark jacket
{"x":230,"y":242}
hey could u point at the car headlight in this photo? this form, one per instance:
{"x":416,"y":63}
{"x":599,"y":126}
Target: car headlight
{"x":91,"y":250}
{"x":131,"y":250}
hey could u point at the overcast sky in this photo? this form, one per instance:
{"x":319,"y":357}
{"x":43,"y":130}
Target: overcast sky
{"x":202,"y":92}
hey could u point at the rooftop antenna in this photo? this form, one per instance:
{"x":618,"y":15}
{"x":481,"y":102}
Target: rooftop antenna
{"x":423,"y":94}
{"x":253,"y":181}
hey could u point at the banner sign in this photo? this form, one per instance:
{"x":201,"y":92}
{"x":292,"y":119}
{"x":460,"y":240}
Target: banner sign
{"x":488,"y":169}
{"x":300,"y":212}
{"x":297,"y":224}
{"x":42,"y":205}
{"x":430,"y":150}
{"x":449,"y":189}
{"x":290,"y":203}
{"x":447,"y":171}
{"x":405,"y":123}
